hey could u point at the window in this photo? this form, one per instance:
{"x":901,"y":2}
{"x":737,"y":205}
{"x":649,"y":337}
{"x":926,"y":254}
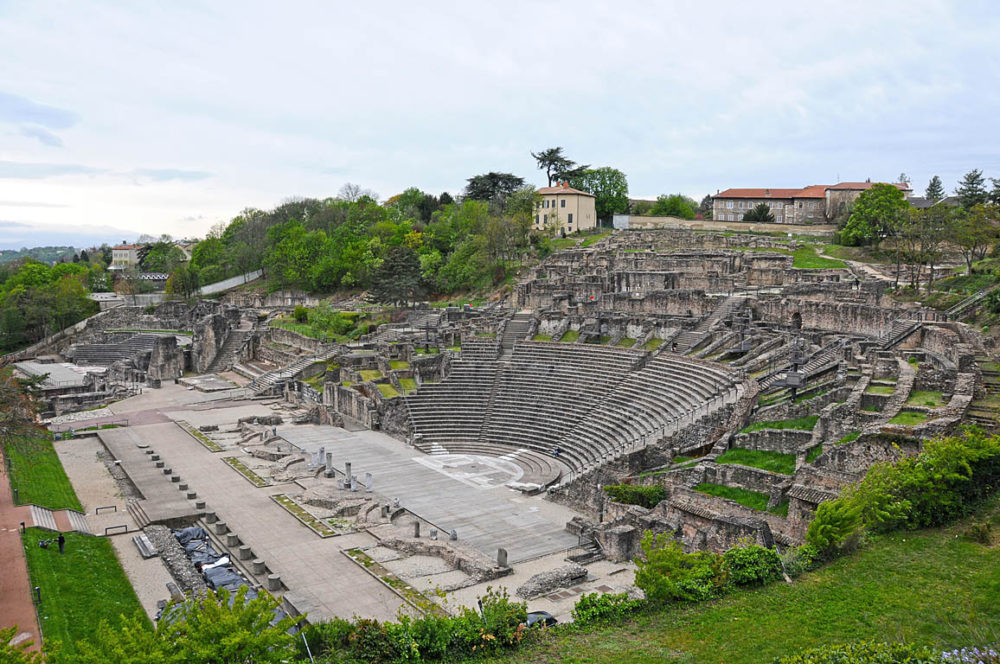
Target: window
{"x":812,"y":205}
{"x":729,"y":204}
{"x":800,"y":205}
{"x":536,"y":218}
{"x":545,"y":218}
{"x":570,"y":217}
{"x":777,"y":218}
{"x":562,"y":203}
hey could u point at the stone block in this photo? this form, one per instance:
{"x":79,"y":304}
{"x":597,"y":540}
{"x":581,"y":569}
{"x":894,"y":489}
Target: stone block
{"x":258,"y":567}
{"x":232,"y":540}
{"x":221,"y":528}
{"x":273,"y":582}
{"x":245,"y":552}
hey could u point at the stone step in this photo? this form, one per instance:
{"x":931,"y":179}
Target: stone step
{"x":43,"y":517}
{"x":78,"y":522}
{"x":135,"y":509}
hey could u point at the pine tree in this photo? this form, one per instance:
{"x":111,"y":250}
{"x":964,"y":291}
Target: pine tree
{"x":935,"y":190}
{"x":971,"y":190}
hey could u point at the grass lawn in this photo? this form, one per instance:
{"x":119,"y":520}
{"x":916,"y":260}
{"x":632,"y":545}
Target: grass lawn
{"x":80,"y":587}
{"x":802,"y":423}
{"x":752,"y":499}
{"x":849,"y":438}
{"x":39,"y":477}
{"x":880,"y":389}
{"x":594,"y":238}
{"x":387,"y":390}
{"x":653,"y":344}
{"x":408,"y":384}
{"x":399,"y":364}
{"x":570,"y":336}
{"x":860,"y":254}
{"x":909,"y":419}
{"x":813,"y":453}
{"x":806,"y":257}
{"x":930,"y":587}
{"x":776,"y":462}
{"x":369,"y":374}
{"x":626,"y":342}
{"x":542,"y":337}
{"x":927,"y":398}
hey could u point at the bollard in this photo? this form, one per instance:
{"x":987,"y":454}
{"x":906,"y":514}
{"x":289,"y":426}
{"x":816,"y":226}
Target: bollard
{"x":211,"y":517}
{"x":221,"y":528}
{"x":232,"y":540}
{"x":182,"y":486}
{"x":160,"y":464}
{"x":200,"y":505}
{"x":15,"y":497}
{"x":245,"y":553}
{"x":150,"y":451}
{"x":273,"y":582}
{"x":155,"y":457}
{"x":191,"y":495}
{"x":168,"y":471}
{"x":258,"y":566}
{"x":174,"y":478}
{"x":38,"y":593}
{"x":23,"y":530}
{"x":416,"y":529}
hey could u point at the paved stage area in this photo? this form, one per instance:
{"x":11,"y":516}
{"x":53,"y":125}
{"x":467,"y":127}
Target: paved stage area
{"x":466,"y":494}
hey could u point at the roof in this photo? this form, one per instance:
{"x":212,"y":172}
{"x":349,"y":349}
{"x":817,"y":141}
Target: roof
{"x":127,"y":246}
{"x":758,"y":193}
{"x":864,"y":186}
{"x":564,"y":189}
{"x":812,"y":191}
{"x":922,"y":202}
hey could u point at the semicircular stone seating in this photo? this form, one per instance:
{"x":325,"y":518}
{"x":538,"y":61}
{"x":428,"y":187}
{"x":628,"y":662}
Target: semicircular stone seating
{"x":591,"y":402}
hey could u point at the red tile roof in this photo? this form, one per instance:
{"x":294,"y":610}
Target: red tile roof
{"x":758,"y":193}
{"x":812,"y":191}
{"x":563,"y":188}
{"x":128,"y":246}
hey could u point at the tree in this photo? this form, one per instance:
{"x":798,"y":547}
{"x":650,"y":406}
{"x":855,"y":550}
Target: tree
{"x":874,"y":214}
{"x":398,"y":280}
{"x":492,"y":187}
{"x":163,"y":256}
{"x":903,"y":179}
{"x":609,"y":187}
{"x":706,"y":206}
{"x":183,"y":282}
{"x":17,"y":410}
{"x":557,"y":166}
{"x":352,"y":193}
{"x":995,"y":193}
{"x":760,"y":212}
{"x":17,"y":654}
{"x":935,"y":190}
{"x":971,"y":190}
{"x":974,"y":231}
{"x":675,"y":205}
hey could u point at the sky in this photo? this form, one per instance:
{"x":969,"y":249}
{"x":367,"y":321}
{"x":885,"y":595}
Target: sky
{"x":118,"y":119}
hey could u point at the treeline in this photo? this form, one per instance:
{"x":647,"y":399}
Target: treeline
{"x":344,"y":242}
{"x":44,"y":254}
{"x":37,"y":300}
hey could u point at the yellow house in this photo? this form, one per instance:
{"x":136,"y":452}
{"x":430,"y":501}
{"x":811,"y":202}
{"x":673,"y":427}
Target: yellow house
{"x":564,"y":208}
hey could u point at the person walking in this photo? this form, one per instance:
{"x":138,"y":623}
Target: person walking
{"x":62,"y":542}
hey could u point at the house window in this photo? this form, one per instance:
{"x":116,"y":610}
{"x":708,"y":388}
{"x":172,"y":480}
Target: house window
{"x":545,"y":218}
{"x":729,"y":204}
{"x":536,"y":218}
{"x":800,"y":205}
{"x":562,"y":203}
{"x":777,"y":218}
{"x":812,"y":205}
{"x":570,"y":218}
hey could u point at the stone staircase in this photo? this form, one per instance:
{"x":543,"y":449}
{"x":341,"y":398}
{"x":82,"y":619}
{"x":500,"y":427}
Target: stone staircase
{"x":43,"y":517}
{"x":688,"y":340}
{"x":107,"y":354}
{"x":276,"y":377}
{"x":134,"y":508}
{"x":898,"y":331}
{"x":815,"y":363}
{"x":517,"y":328}
{"x":226,"y":357}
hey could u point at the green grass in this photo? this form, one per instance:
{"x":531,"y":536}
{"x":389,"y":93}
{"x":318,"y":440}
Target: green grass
{"x":800,"y":423}
{"x":387,"y":390}
{"x":752,"y":499}
{"x":776,"y":462}
{"x":429,"y":351}
{"x":303,"y":515}
{"x":928,"y":398}
{"x":369,"y":374}
{"x":207,"y":442}
{"x":408,"y":384}
{"x":849,"y":438}
{"x":872,"y":408}
{"x":908,"y":419}
{"x":542,"y":337}
{"x":80,"y":588}
{"x":399,"y":364}
{"x":653,"y":344}
{"x":781,"y":509}
{"x":570,"y":336}
{"x":930,"y":587}
{"x":591,"y":239}
{"x":880,"y":389}
{"x":967,"y":284}
{"x":859,"y":254}
{"x":245,"y":471}
{"x":626,"y":342}
{"x":814,"y":453}
{"x":38,"y":475}
{"x":807,"y":258}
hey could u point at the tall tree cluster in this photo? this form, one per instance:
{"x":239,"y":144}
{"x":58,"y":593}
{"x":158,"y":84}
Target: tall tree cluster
{"x":37,"y":300}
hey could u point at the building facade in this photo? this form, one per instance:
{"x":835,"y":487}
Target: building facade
{"x":815,"y":204}
{"x":125,"y":255}
{"x":563,"y":208}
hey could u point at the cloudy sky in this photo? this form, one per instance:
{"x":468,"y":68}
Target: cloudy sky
{"x":125,"y":118}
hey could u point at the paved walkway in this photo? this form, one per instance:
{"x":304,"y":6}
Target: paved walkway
{"x":16,"y":606}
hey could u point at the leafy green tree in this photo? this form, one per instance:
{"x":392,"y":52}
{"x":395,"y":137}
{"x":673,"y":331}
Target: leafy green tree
{"x":398,"y":280}
{"x":935,"y":190}
{"x":973,"y":232}
{"x":557,"y":166}
{"x":994,"y":196}
{"x":163,"y":256}
{"x":674,"y":205}
{"x":876,"y":211}
{"x":609,"y":187}
{"x":667,"y":574}
{"x":19,"y":654}
{"x":494,"y":188}
{"x":706,"y":206}
{"x":971,"y":190}
{"x":183,"y":282}
{"x":760,"y":212}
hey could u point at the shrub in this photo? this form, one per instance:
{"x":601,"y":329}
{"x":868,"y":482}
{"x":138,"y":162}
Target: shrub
{"x":595,"y":608}
{"x":979,"y":532}
{"x":301,"y":314}
{"x":836,"y":523}
{"x":668,"y":574}
{"x":751,"y":565}
{"x":801,"y":559}
{"x":644,"y":496}
{"x":864,"y":653}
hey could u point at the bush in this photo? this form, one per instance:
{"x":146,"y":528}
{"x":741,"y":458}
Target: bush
{"x":595,"y":608}
{"x":835,"y":526}
{"x":864,"y":653}
{"x":301,"y":314}
{"x":668,"y":574}
{"x":801,"y":559}
{"x":751,"y":565}
{"x":644,"y":496}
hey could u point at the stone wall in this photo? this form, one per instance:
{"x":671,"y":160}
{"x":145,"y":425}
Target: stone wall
{"x":745,"y":477}
{"x":785,"y":441}
{"x":166,"y":361}
{"x":210,"y":334}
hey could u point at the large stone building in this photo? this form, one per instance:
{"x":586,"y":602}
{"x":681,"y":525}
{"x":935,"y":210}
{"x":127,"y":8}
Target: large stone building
{"x":564,"y":208}
{"x":815,"y":204}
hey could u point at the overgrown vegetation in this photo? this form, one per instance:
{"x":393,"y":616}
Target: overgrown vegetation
{"x":752,"y":499}
{"x":38,"y":475}
{"x":776,"y":462}
{"x":908,"y":418}
{"x":634,"y":494}
{"x":37,"y":300}
{"x":800,"y":423}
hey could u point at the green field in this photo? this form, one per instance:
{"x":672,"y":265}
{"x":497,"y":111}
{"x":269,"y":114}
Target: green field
{"x":776,"y":462}
{"x":807,"y":258}
{"x":801,"y":423}
{"x":80,"y":588}
{"x":931,"y":587}
{"x":909,"y":419}
{"x":570,"y":336}
{"x":752,"y":499}
{"x":849,"y":438}
{"x":880,"y":389}
{"x":928,"y":398}
{"x":39,"y":477}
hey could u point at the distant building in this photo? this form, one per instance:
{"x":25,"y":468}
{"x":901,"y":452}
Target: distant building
{"x":815,"y":204}
{"x":126,"y":255}
{"x":922,"y":203}
{"x":565,"y":208}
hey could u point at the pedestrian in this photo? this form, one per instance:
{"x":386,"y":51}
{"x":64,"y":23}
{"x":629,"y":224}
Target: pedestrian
{"x":62,"y":542}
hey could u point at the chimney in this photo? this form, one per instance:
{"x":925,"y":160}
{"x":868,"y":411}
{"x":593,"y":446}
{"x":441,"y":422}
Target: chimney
{"x":767,"y":192}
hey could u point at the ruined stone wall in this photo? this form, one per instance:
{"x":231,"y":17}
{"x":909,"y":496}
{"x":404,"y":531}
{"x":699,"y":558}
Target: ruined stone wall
{"x":745,"y":477}
{"x":861,"y":454}
{"x":673,"y":303}
{"x":166,"y":361}
{"x":210,"y":334}
{"x":353,"y":404}
{"x":822,"y":315}
{"x":785,"y":441}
